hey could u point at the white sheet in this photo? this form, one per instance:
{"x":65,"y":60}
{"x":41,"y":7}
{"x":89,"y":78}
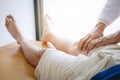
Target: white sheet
{"x":56,"y":65}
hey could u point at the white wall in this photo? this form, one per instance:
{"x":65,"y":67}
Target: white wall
{"x":23,"y":11}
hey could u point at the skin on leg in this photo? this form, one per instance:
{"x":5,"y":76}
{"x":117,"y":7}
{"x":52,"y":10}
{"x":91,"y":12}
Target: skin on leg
{"x":31,"y":52}
{"x":60,"y":43}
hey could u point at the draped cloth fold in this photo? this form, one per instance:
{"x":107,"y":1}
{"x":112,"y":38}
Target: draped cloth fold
{"x":57,"y":65}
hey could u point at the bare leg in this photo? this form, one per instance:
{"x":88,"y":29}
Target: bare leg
{"x":31,"y":52}
{"x":65,"y":45}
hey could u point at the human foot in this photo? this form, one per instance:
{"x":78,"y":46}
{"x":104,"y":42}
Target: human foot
{"x":12,"y":28}
{"x":47,"y":31}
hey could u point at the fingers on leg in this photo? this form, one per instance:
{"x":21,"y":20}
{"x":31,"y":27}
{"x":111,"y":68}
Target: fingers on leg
{"x":86,"y":44}
{"x":91,"y":46}
{"x":82,"y":43}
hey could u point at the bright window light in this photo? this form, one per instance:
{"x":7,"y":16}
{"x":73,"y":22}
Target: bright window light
{"x":74,"y":18}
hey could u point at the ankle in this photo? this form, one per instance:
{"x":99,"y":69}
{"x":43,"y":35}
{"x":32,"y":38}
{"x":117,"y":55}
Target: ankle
{"x":46,"y":37}
{"x":20,"y":40}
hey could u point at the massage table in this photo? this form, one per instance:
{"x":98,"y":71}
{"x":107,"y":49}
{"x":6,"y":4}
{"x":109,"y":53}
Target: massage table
{"x":13,"y":65}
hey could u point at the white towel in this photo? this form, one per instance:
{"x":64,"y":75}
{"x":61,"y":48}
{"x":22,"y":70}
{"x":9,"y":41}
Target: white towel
{"x":57,"y":65}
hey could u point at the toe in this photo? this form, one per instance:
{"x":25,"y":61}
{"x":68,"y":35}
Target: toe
{"x":11,"y":17}
{"x":6,"y":20}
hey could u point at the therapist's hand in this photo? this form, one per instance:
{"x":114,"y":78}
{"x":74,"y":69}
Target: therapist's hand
{"x":102,"y":41}
{"x":97,"y":32}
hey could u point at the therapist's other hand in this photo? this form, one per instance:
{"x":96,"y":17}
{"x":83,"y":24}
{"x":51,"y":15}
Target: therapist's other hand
{"x":102,"y":41}
{"x":97,"y":32}
{"x":96,"y":43}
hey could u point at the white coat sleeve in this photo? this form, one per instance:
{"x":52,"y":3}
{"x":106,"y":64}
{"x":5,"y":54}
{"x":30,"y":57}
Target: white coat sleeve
{"x":110,"y":12}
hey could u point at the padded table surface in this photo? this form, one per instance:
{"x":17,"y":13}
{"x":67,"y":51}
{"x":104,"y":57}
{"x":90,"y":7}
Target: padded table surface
{"x":13,"y":65}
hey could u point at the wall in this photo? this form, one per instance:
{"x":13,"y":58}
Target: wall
{"x":23,"y":11}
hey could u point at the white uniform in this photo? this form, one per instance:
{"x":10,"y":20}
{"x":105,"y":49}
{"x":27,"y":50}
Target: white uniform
{"x":110,"y":12}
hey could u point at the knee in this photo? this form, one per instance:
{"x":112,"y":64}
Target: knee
{"x":37,"y":57}
{"x":73,"y":51}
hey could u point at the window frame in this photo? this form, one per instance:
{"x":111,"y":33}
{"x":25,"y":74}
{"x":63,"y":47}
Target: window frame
{"x":38,"y":8}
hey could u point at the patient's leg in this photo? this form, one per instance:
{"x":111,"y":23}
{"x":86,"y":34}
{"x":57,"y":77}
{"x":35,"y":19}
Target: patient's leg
{"x":31,"y":52}
{"x":63,"y":44}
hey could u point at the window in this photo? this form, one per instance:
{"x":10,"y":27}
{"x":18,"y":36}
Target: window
{"x":74,"y":18}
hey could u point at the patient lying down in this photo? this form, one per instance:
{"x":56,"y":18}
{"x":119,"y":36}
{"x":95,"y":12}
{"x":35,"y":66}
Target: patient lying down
{"x":52,"y":64}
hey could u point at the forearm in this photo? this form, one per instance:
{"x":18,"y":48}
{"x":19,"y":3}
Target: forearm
{"x":99,"y":28}
{"x":116,"y":36}
{"x":106,"y":40}
{"x":113,"y":38}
